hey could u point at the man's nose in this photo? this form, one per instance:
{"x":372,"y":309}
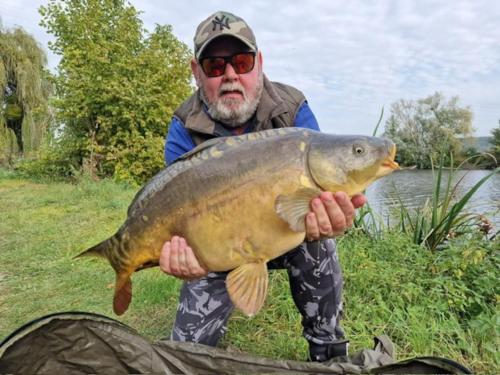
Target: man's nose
{"x":229,"y":73}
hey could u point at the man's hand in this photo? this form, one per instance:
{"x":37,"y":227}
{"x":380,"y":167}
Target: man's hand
{"x":331,"y":214}
{"x":177,"y":259}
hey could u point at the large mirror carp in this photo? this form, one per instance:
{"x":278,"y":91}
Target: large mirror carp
{"x":240,"y":202}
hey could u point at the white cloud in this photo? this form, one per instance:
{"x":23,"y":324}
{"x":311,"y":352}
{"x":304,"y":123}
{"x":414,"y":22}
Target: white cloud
{"x":351,"y":58}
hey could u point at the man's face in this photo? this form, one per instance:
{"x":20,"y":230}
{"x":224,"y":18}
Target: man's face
{"x":231,"y":98}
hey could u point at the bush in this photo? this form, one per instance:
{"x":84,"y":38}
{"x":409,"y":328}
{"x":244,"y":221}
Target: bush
{"x":430,"y":303}
{"x":468,"y":273}
{"x":51,"y":162}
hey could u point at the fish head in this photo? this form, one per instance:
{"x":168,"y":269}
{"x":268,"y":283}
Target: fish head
{"x":350,"y":163}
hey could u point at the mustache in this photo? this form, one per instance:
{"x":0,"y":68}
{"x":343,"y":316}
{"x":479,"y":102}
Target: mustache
{"x":231,"y":86}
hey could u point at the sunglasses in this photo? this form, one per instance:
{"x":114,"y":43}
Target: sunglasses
{"x":215,"y":66}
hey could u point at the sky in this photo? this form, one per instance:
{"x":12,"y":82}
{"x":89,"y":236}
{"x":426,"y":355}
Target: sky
{"x":350,"y":58}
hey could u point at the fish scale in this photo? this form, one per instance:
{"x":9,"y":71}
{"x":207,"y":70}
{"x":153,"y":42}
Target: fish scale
{"x":240,"y":202}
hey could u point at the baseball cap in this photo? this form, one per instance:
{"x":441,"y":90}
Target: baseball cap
{"x":220,"y":24}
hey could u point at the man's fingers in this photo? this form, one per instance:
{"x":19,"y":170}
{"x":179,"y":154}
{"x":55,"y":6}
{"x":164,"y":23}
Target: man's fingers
{"x":165,"y":258}
{"x":358,"y":200}
{"x":178,"y":259}
{"x":322,"y":216}
{"x":183,"y":265}
{"x":347,"y":208}
{"x":174,"y":256}
{"x":195,"y":269}
{"x":336,"y":217}
{"x":312,"y":228}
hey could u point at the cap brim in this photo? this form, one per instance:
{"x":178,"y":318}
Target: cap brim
{"x":208,"y":41}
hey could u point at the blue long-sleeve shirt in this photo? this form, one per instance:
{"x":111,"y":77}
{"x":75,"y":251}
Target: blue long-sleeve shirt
{"x":178,"y":140}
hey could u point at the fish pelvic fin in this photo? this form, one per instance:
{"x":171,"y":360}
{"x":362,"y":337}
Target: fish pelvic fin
{"x":123,"y":293}
{"x":293,"y":208}
{"x":247,"y":287}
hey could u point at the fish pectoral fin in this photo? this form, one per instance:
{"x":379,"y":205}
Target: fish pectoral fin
{"x":123,"y":294}
{"x":293,"y":208}
{"x":247,"y":287}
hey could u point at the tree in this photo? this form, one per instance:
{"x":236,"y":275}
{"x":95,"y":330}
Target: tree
{"x":24,"y":92}
{"x":117,"y":87}
{"x":424,"y":128}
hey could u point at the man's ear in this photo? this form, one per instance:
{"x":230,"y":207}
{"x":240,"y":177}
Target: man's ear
{"x":195,"y":68}
{"x":261,"y":60}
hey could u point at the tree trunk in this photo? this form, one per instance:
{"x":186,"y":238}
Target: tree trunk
{"x":17,"y":127}
{"x":90,"y":164}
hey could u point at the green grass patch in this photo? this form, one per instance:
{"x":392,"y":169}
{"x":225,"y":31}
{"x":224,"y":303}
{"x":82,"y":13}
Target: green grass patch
{"x":430,"y":303}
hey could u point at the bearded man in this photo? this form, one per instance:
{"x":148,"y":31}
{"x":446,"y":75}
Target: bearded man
{"x":235,"y":97}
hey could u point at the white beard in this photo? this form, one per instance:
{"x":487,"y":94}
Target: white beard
{"x":227,"y":110}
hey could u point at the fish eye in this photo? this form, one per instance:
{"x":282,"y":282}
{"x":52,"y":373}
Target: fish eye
{"x":358,"y":150}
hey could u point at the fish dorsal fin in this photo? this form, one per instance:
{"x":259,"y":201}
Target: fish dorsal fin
{"x":211,"y":149}
{"x":247,"y":287}
{"x":214,"y":142}
{"x":184,"y":162}
{"x":293,"y":208}
{"x":215,"y":146}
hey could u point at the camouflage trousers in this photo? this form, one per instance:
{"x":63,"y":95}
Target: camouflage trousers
{"x":315,"y":282}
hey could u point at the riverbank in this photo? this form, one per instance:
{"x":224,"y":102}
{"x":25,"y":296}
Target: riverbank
{"x":440,"y":304}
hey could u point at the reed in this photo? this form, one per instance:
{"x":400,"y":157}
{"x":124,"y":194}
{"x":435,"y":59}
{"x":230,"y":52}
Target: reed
{"x":370,"y":222}
{"x":442,"y":217}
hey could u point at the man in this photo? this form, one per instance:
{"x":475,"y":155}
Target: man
{"x":235,"y":97}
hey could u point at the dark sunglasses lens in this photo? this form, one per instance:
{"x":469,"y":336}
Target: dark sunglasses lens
{"x":213,"y":66}
{"x":243,"y":62}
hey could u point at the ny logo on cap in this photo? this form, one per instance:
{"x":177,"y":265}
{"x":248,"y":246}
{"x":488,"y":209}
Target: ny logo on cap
{"x":221,"y":22}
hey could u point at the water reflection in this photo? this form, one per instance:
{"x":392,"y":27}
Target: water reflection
{"x":415,"y":186}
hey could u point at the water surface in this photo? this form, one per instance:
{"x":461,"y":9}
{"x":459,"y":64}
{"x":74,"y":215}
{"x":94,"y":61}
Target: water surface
{"x":414,"y":187}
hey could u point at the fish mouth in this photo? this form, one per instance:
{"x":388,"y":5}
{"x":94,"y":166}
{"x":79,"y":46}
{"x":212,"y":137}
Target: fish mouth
{"x":389,"y":165}
{"x":390,"y":162}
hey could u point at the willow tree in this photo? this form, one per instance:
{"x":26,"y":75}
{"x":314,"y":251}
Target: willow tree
{"x":24,"y":91}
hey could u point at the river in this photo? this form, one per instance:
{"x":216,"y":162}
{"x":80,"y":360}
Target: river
{"x":415,"y":186}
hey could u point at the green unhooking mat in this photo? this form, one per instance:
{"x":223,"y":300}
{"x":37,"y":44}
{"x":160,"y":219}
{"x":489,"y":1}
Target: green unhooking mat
{"x":83,"y":343}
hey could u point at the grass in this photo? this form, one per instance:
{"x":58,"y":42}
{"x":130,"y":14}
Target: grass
{"x":419,"y":300}
{"x":392,"y":286}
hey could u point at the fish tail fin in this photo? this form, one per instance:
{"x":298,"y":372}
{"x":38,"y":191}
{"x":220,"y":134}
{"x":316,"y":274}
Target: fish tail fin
{"x":123,"y":293}
{"x":123,"y":285}
{"x":100,"y":249}
{"x":247,"y":287}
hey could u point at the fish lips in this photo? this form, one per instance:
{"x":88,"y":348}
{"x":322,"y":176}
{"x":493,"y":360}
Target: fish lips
{"x":389,"y":164}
